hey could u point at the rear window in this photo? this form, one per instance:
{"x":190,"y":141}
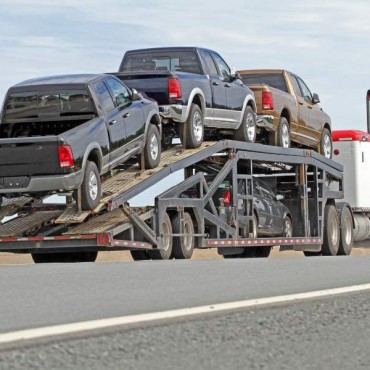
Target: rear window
{"x":36,"y":104}
{"x":185,"y":61}
{"x":275,"y":80}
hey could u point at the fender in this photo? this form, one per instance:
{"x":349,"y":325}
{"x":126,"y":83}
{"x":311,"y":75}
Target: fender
{"x":248,"y":99}
{"x":151,"y":114}
{"x":89,"y":149}
{"x":195,"y":91}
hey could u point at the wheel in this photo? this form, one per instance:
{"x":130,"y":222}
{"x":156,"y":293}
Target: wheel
{"x":194,"y":128}
{"x":263,"y":252}
{"x":152,"y":149}
{"x":288,"y":227}
{"x":166,"y":141}
{"x":89,"y":256}
{"x":140,"y":255}
{"x":183,"y":246}
{"x":346,"y":234}
{"x":326,"y":144}
{"x":164,"y":253}
{"x":331,"y":231}
{"x":248,"y":128}
{"x":91,"y":187}
{"x":283,"y":133}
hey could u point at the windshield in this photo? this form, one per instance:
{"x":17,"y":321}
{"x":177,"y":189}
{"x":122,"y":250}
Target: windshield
{"x":36,"y":104}
{"x":185,"y":61}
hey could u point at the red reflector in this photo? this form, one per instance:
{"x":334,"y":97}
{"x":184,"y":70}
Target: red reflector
{"x":336,"y":152}
{"x":174,"y":88}
{"x":227,"y":197}
{"x":65,"y":156}
{"x":267,"y":101}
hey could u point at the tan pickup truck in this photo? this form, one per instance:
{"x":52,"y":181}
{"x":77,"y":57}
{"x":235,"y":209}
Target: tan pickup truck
{"x":287,"y":111}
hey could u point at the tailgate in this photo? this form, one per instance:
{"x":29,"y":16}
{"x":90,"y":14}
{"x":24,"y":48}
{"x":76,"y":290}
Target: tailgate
{"x":153,"y":84}
{"x":28,"y":156}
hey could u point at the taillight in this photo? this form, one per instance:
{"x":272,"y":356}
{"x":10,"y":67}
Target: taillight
{"x":227,"y":197}
{"x":65,"y":156}
{"x":267,"y":101}
{"x":174,"y":88}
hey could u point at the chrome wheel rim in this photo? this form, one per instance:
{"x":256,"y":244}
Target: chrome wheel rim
{"x":335,"y":230}
{"x":285,"y":136}
{"x":197,"y":126}
{"x":327,"y":146}
{"x":288,"y":232}
{"x":187,"y":238}
{"x":347,"y":227}
{"x":251,"y":127}
{"x":93,"y":186}
{"x":154,"y":147}
{"x":166,"y":239}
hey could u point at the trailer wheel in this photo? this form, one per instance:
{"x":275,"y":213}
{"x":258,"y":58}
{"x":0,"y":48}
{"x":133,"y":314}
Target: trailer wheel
{"x":346,"y":233}
{"x":140,"y":255}
{"x":152,"y":148}
{"x":183,"y":246}
{"x":166,"y":252}
{"x":90,"y":187}
{"x":326,"y":144}
{"x":72,"y":257}
{"x":331,"y":231}
{"x":247,"y":130}
{"x":283,"y":133}
{"x":193,"y":128}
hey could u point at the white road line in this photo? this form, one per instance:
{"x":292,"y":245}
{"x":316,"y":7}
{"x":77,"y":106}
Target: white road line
{"x":86,"y":326}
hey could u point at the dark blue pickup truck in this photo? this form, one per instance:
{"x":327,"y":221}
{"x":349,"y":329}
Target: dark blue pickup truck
{"x":62,"y":132}
{"x":195,"y":90}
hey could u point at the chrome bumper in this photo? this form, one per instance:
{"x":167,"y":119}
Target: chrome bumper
{"x":175,"y":112}
{"x":266,"y":122}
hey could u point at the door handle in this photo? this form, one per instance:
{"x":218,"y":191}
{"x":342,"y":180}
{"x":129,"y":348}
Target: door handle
{"x":126,"y":115}
{"x":215,"y":83}
{"x":227,"y":85}
{"x":300,"y":102}
{"x":112,"y":122}
{"x":309,"y":106}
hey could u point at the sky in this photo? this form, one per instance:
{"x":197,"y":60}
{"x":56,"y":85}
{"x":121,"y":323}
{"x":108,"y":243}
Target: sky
{"x":326,"y":42}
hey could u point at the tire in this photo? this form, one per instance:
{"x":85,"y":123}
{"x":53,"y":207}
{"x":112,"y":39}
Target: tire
{"x":330,"y":245}
{"x":90,"y":187}
{"x":166,"y":252}
{"x":140,"y":255}
{"x":288,"y":227}
{"x":183,"y":246}
{"x":166,"y":142}
{"x":152,"y":148}
{"x":263,"y":252}
{"x":346,"y":233}
{"x":73,"y":257}
{"x":247,"y":130}
{"x":326,"y":144}
{"x":311,"y":254}
{"x":283,"y":134}
{"x":194,"y":128}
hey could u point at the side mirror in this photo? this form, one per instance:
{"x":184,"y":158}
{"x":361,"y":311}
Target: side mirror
{"x":234,"y":74}
{"x":279,"y":197}
{"x":135,"y":95}
{"x":315,"y":98}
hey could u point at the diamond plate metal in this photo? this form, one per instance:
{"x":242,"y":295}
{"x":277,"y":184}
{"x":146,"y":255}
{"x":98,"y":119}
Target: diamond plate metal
{"x":22,"y":226}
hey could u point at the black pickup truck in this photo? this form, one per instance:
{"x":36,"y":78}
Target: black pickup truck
{"x":62,"y":132}
{"x":195,"y":90}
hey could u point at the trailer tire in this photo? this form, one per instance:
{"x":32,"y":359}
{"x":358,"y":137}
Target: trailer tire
{"x":166,"y":252}
{"x":312,"y":254}
{"x":183,"y":246}
{"x":152,"y":148}
{"x":330,"y":244}
{"x":193,"y":128}
{"x":72,"y":257}
{"x":90,"y":187}
{"x":247,"y":130}
{"x":140,"y":255}
{"x":326,"y":144}
{"x":346,"y":233}
{"x":283,"y":134}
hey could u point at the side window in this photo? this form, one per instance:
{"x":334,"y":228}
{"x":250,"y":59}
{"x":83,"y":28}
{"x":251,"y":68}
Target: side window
{"x":296,"y":87}
{"x":305,"y":90}
{"x":210,"y":63}
{"x":120,"y":93}
{"x":223,"y":68}
{"x":266,"y":192}
{"x":105,"y":97}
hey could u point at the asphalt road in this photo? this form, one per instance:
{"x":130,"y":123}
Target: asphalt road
{"x":329,"y":331}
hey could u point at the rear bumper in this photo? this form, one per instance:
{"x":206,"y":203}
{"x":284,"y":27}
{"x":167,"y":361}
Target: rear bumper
{"x":265,"y":121}
{"x":175,"y":112}
{"x":41,"y":183}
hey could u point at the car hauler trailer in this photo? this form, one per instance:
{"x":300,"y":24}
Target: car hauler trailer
{"x":191,"y":214}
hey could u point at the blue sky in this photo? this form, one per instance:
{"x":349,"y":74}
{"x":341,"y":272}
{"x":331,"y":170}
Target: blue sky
{"x":325,"y":42}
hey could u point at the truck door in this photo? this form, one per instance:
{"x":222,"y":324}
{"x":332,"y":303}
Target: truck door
{"x":213,"y":115}
{"x":233,"y":89}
